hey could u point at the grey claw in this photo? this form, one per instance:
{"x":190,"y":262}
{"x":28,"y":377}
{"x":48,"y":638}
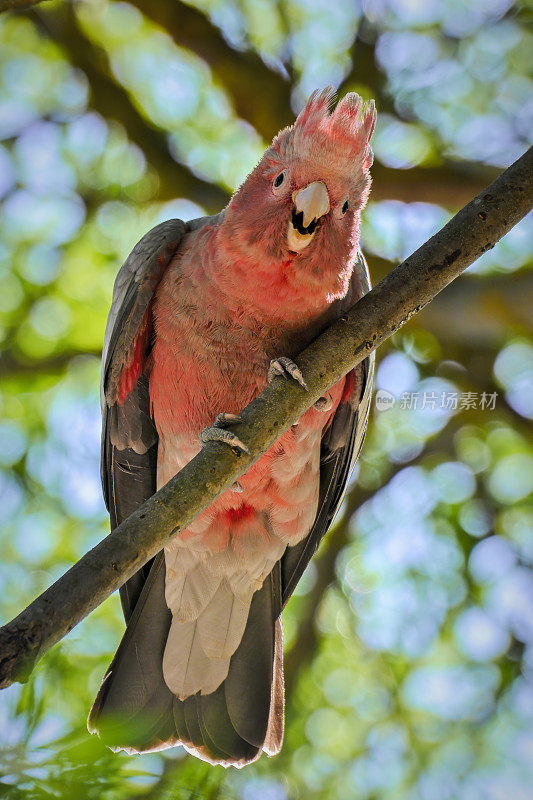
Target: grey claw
{"x":213,"y":434}
{"x":236,"y":487}
{"x":224,"y":419}
{"x":274,"y":369}
{"x":217,"y":433}
{"x":283,"y":366}
{"x":324,"y":403}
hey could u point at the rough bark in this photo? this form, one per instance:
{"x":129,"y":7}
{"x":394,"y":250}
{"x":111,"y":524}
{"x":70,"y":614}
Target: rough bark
{"x":379,"y":314}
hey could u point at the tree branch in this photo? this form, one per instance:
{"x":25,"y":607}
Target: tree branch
{"x":307,"y":640}
{"x":364,"y":68}
{"x":478,"y":311}
{"x":14,"y":365}
{"x":379,"y":314}
{"x":450,"y":184}
{"x":481,"y":312}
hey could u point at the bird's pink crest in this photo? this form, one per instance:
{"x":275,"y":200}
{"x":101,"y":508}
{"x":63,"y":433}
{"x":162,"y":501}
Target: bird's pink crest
{"x":341,"y":135}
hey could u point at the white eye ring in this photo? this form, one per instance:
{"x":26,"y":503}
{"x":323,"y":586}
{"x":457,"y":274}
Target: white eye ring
{"x":279,"y":181}
{"x":342,"y":210}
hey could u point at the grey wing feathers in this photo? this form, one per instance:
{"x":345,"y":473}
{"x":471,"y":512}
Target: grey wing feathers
{"x":340,"y":448}
{"x":129,"y":437}
{"x":135,"y":711}
{"x":132,"y":294}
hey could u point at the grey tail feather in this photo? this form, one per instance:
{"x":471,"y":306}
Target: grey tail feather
{"x":135,"y":710}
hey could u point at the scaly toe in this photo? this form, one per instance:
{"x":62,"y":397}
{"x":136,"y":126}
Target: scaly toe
{"x":274,"y":369}
{"x":284,"y":365}
{"x":224,"y":419}
{"x":213,"y":434}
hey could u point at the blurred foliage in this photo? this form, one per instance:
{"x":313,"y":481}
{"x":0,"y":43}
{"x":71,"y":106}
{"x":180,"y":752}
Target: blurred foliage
{"x":410,"y":640}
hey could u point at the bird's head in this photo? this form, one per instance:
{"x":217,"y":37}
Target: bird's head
{"x":318,"y":169}
{"x":290,"y":233}
{"x":309,"y":188}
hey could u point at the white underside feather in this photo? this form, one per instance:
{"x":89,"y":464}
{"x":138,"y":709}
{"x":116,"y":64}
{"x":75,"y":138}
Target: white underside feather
{"x":222,"y":624}
{"x":187,"y":596}
{"x":186,"y":667}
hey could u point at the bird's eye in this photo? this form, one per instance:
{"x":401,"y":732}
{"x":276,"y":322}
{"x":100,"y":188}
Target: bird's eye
{"x":345,"y":207}
{"x":278,"y":180}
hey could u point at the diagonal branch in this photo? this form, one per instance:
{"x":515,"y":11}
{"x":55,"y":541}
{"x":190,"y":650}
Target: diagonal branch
{"x":379,"y":314}
{"x":307,"y":640}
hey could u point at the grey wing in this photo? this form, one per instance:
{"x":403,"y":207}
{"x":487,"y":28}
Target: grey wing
{"x":340,"y":448}
{"x":129,"y":437}
{"x":134,"y":709}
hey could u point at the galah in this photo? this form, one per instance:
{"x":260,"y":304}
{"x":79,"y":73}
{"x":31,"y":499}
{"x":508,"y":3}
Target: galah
{"x":204,"y":313}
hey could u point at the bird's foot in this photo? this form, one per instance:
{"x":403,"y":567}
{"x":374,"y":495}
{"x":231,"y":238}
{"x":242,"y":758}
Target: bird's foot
{"x":285,"y":366}
{"x":218,"y":433}
{"x":324,"y":403}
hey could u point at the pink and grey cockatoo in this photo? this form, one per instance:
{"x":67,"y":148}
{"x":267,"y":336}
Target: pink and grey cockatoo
{"x":204,"y":313}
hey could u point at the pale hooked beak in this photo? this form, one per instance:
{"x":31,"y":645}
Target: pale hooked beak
{"x":310,"y":204}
